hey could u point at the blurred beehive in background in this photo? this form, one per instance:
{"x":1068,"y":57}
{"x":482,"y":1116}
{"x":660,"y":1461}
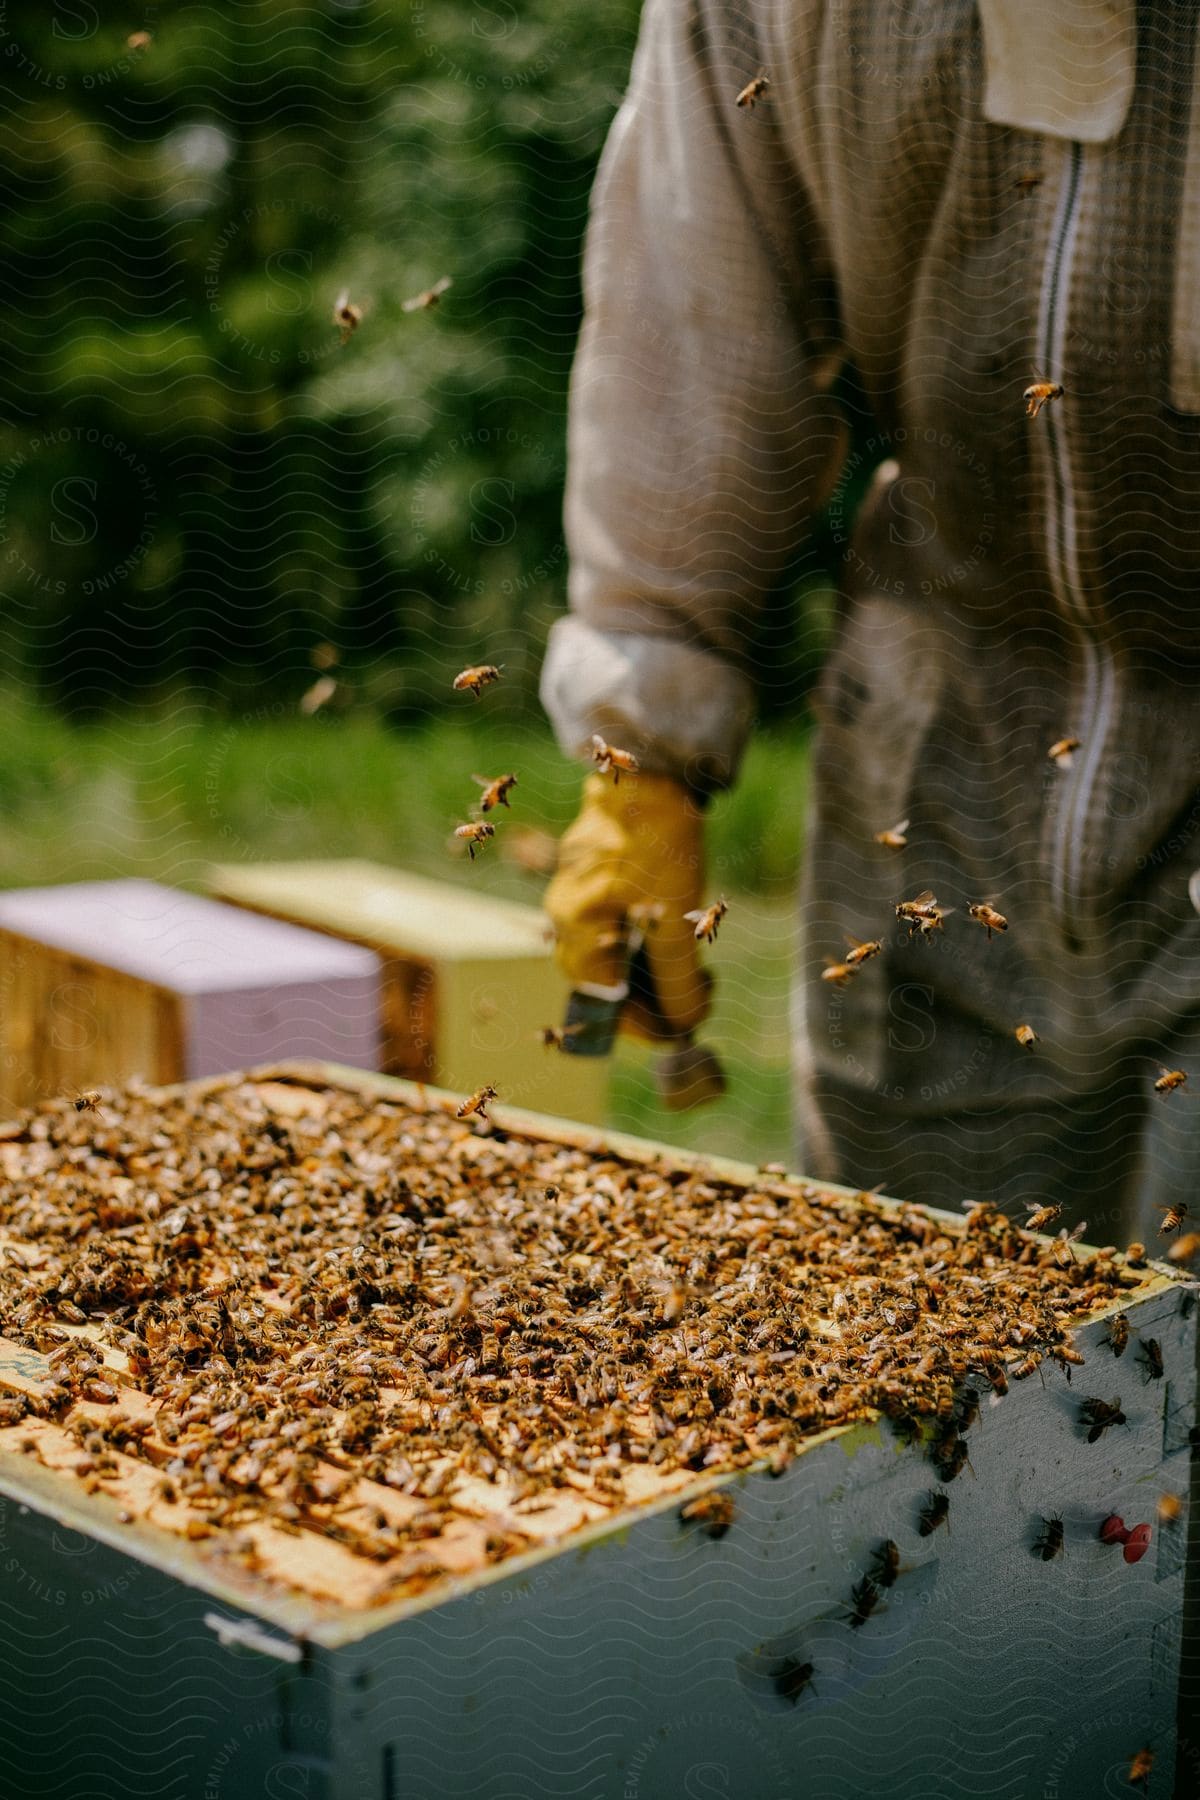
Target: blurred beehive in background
{"x":469,"y":981}
{"x":107,"y":981}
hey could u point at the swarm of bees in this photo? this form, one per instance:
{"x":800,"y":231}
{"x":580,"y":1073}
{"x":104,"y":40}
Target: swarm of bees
{"x":707,"y":920}
{"x":428,"y":297}
{"x":1040,"y":394}
{"x":754,"y":91}
{"x":611,"y":761}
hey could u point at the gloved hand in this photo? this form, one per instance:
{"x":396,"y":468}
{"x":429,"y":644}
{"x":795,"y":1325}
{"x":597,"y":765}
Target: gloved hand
{"x":639,"y":843}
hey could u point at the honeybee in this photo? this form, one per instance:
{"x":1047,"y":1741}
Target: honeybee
{"x":318,"y":695}
{"x":754,"y":90}
{"x":554,"y":1037}
{"x":1066,"y":1358}
{"x":476,"y":678}
{"x":988,"y":917}
{"x":1029,"y":1365}
{"x":1118,"y":1333}
{"x":496,"y":792}
{"x":607,"y":757}
{"x":1050,"y":1544}
{"x":428,"y":297}
{"x":839,"y":973}
{"x":478,"y":832}
{"x":1140,"y":1767}
{"x":1025,"y":184}
{"x":1064,"y":1256}
{"x":1173,"y":1217}
{"x":1099,"y":1415}
{"x":1062,"y":751}
{"x":1184,"y":1248}
{"x":1040,"y":1216}
{"x":791,"y":1678}
{"x":346,"y":315}
{"x":1170,"y":1509}
{"x":707,"y":920}
{"x":895,"y":837}
{"x":478,"y":1103}
{"x":89,"y":1101}
{"x":922,"y":914}
{"x":1169,"y":1080}
{"x":715,"y":1513}
{"x":949,"y":1456}
{"x":1026,"y":1036}
{"x":885,"y":1564}
{"x":1152,"y":1359}
{"x":866,"y":1598}
{"x":138,"y":40}
{"x":1135,"y":1256}
{"x":861,"y":953}
{"x":1040,"y":394}
{"x":935,"y":1512}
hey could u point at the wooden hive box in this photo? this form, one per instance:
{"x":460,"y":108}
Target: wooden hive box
{"x":469,"y":981}
{"x":107,"y":981}
{"x":613,"y":1652}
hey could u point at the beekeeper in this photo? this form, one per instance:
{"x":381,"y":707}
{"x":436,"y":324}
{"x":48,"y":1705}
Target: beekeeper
{"x":962,"y":201}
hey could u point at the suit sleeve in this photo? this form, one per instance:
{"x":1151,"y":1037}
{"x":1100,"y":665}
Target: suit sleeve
{"x":700,"y":429}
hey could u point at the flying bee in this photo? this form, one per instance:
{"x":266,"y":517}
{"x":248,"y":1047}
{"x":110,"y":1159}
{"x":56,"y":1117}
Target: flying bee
{"x":476,"y":678}
{"x":554,"y":1037}
{"x":988,"y":917}
{"x":754,"y":90}
{"x":1062,"y":751}
{"x":89,"y":1101}
{"x":1152,"y":1359}
{"x":861,"y":953}
{"x":475,"y":834}
{"x":1140,"y":1767}
{"x":1118,"y":1334}
{"x":885,"y":1564}
{"x":318,"y":695}
{"x":1168,"y":1081}
{"x":1025,"y":184}
{"x":935,"y":1512}
{"x":1040,"y":394}
{"x":1040,"y":1216}
{"x":1050,"y":1543}
{"x":866,"y":1598}
{"x":1170,"y":1509}
{"x":949,"y":1456}
{"x":478,"y":1103}
{"x":347,"y":316}
{"x":608,"y":759}
{"x":707,"y":920}
{"x":138,"y":40}
{"x":1173,"y":1216}
{"x":1064,"y":1256}
{"x":895,"y":837}
{"x":922,"y":914}
{"x":428,"y":297}
{"x":1026,"y":1036}
{"x":1099,"y":1415}
{"x":1135,"y":1255}
{"x":495,"y":793}
{"x":1184,"y":1248}
{"x":838,"y":973}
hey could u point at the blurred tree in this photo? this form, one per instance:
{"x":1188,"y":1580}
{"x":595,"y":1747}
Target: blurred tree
{"x":199,"y":481}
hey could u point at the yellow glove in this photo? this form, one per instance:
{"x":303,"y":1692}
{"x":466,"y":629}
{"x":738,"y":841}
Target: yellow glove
{"x":637,"y":844}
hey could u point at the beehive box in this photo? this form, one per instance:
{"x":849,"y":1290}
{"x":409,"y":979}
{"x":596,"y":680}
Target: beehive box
{"x":469,"y":981}
{"x":107,"y":981}
{"x":533,"y":1614}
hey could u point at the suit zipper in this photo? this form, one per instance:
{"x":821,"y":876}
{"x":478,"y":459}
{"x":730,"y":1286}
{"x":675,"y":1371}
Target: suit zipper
{"x":1097,"y":700}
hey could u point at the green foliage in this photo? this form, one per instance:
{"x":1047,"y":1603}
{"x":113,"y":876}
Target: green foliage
{"x":198,"y":480}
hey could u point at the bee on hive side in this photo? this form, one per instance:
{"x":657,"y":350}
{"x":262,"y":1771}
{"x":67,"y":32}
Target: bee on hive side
{"x":473,"y":680}
{"x":1152,"y":1359}
{"x":1029,"y":1365}
{"x":1099,"y":1415}
{"x":707,"y":920}
{"x":1140,"y":1767}
{"x":895,"y":837}
{"x":885,"y":1564}
{"x":1066,"y":1358}
{"x":1041,"y":1216}
{"x":861,"y":953}
{"x":1064,"y":1256}
{"x":754,"y":90}
{"x":1062,"y":751}
{"x":1050,"y":1543}
{"x":986,"y":915}
{"x":346,"y":316}
{"x":1173,"y":1217}
{"x":611,"y":761}
{"x":495,"y":792}
{"x":475,"y":835}
{"x":1040,"y":394}
{"x":715,"y":1513}
{"x":477,"y":1104}
{"x":1135,"y":1256}
{"x":935,"y":1512}
{"x":1118,"y":1333}
{"x":428,"y":297}
{"x":791,"y":1678}
{"x":948,"y":1456}
{"x":1168,"y":1081}
{"x":866,"y":1598}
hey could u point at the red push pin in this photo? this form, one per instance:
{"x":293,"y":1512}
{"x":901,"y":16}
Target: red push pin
{"x":1115,"y":1531}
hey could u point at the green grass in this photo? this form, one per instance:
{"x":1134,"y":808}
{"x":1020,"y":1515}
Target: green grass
{"x":163,"y":794}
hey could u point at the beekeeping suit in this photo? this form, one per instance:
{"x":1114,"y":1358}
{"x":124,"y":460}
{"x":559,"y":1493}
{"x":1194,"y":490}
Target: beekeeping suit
{"x":961,"y":200}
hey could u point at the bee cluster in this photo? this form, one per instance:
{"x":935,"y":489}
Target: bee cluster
{"x":371,"y":1320}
